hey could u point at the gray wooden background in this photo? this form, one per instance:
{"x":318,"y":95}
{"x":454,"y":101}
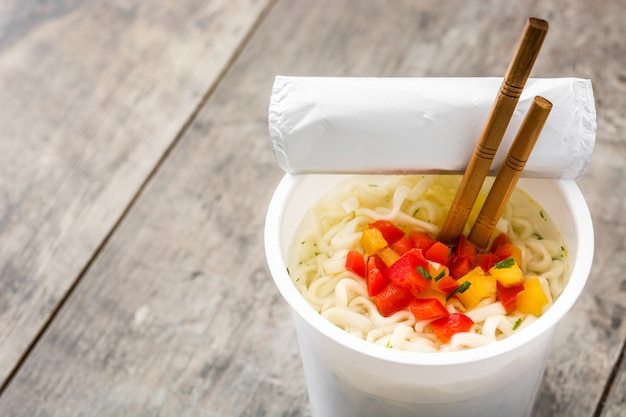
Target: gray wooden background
{"x":135,"y":171}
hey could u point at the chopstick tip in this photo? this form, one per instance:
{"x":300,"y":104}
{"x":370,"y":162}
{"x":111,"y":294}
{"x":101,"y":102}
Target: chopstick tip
{"x":542,"y":102}
{"x":538,"y":23}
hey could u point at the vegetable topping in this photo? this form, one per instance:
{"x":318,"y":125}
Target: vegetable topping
{"x":438,"y":283}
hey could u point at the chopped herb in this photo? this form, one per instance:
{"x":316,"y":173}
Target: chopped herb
{"x":538,"y":236}
{"x":542,"y":215}
{"x":317,"y":253}
{"x":389,"y":345}
{"x":424,"y":272}
{"x":416,"y":211}
{"x":517,"y":324}
{"x":373,"y":185}
{"x":507,"y":263}
{"x":303,"y":242}
{"x":288,"y":273}
{"x":441,"y":275}
{"x":460,"y":289}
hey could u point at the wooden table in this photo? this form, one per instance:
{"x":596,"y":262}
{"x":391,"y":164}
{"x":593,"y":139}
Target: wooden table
{"x":135,"y":171}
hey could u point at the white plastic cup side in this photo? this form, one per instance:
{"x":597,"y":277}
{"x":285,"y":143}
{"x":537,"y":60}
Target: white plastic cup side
{"x":347,"y":376}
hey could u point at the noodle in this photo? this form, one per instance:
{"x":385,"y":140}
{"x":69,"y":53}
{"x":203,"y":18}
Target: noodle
{"x":317,"y":259}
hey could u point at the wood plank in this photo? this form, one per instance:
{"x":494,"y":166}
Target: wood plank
{"x":178,"y":315}
{"x":615,"y":404}
{"x":92,"y":95}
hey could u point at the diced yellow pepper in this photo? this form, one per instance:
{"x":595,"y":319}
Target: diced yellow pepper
{"x":432,"y":293}
{"x":372,"y":241}
{"x":437,"y":271}
{"x":388,"y":255}
{"x":507,"y":276}
{"x":481,"y":286}
{"x":532,"y":298}
{"x":517,"y":254}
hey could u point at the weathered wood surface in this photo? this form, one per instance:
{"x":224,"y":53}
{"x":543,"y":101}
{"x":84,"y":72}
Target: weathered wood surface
{"x":176,"y":313}
{"x":92,"y":95}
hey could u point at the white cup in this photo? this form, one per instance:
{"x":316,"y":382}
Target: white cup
{"x":350,"y":377}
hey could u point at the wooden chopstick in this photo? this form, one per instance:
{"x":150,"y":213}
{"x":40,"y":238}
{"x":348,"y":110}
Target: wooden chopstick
{"x":510,"y":172}
{"x":493,"y":131}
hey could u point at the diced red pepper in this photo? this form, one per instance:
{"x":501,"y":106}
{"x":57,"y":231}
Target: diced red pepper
{"x":376,"y":278}
{"x":390,"y":231}
{"x":403,"y":245}
{"x":465,"y":249}
{"x":447,"y":284}
{"x":427,"y":308}
{"x":460,"y":267}
{"x":504,"y":251}
{"x":501,"y":239}
{"x":509,"y":250}
{"x":508,"y":295}
{"x":463,"y":258}
{"x":421,"y":240}
{"x":355,"y":262}
{"x":448,"y":326}
{"x":439,"y":253}
{"x":486,"y":261}
{"x":392,"y":299}
{"x":405,"y":272}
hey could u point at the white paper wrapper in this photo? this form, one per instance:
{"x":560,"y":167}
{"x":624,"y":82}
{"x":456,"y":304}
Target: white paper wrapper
{"x":421,"y":125}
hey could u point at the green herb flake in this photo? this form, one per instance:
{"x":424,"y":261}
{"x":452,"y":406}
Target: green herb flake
{"x":441,"y":275}
{"x":373,"y":185}
{"x":517,"y":324}
{"x":543,"y":216}
{"x":460,"y":289}
{"x":424,"y":272}
{"x":389,"y":345}
{"x":288,"y":272}
{"x":507,"y":263}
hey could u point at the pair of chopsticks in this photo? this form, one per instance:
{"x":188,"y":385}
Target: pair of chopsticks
{"x":489,"y":140}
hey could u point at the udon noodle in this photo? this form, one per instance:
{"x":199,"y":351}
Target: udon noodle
{"x":334,"y":226}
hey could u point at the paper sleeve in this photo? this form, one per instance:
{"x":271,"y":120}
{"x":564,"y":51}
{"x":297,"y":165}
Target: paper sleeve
{"x":421,"y":125}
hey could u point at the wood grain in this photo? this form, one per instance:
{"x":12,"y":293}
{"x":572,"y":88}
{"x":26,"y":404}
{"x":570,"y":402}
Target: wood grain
{"x":616,"y":399}
{"x":177,"y":315}
{"x":494,"y":129}
{"x":92,"y":95}
{"x":509,"y":173}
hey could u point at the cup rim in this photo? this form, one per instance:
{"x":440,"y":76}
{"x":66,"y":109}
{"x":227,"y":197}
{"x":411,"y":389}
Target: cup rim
{"x":580,"y":269}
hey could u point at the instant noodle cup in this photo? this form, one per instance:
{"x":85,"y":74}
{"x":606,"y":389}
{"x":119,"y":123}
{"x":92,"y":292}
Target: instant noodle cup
{"x":349,"y":377}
